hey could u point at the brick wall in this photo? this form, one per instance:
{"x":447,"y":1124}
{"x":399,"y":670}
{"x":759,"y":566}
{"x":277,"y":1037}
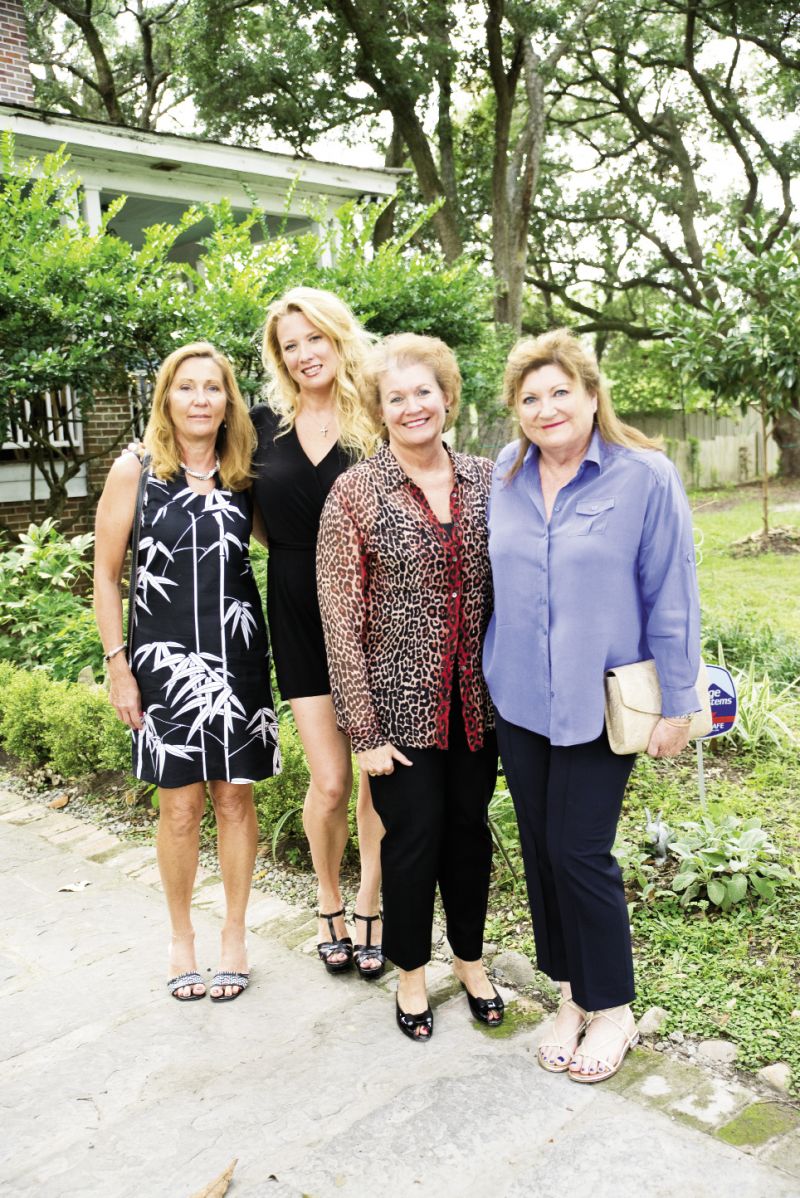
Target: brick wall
{"x":15,"y":517}
{"x":16,"y":84}
{"x":110,"y":417}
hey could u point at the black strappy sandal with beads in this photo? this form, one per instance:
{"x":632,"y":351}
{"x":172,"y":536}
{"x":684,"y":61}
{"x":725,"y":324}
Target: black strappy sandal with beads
{"x":362,"y":953}
{"x":332,"y":947}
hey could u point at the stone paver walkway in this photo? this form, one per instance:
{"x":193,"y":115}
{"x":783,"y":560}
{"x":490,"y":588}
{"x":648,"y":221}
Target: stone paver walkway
{"x":108,"y":1087}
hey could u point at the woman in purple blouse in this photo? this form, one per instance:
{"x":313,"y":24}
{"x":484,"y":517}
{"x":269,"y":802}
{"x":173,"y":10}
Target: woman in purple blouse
{"x":590,"y":540}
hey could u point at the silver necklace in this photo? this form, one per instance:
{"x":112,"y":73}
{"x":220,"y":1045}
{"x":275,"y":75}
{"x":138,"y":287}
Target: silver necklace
{"x":202,"y":475}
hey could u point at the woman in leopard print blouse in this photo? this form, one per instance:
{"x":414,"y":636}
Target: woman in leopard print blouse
{"x":405,"y":593}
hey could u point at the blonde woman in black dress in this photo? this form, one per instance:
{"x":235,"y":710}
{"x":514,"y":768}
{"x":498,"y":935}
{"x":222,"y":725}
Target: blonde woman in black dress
{"x":312,"y":429}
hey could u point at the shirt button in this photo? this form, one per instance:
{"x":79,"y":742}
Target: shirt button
{"x":552,"y":694}
{"x":557,"y":508}
{"x":594,"y":507}
{"x":454,"y":595}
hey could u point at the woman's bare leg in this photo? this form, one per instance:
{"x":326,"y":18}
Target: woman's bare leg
{"x":177,"y":846}
{"x":370,"y":834}
{"x":412,"y":994}
{"x":327,"y":752}
{"x":237,"y":844}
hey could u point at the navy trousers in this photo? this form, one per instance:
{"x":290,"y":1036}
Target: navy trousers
{"x":437,"y":830}
{"x":567,"y":801}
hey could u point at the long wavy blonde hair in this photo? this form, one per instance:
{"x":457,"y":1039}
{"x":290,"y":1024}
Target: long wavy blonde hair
{"x":562,"y":348}
{"x":236,"y":438}
{"x":332,"y":317}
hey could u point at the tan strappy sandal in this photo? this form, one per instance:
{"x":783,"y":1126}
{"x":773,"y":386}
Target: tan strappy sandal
{"x":609,"y":1068}
{"x":565,"y":1053}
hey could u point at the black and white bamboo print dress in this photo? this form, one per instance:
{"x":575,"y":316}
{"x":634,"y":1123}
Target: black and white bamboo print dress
{"x":200,"y":648}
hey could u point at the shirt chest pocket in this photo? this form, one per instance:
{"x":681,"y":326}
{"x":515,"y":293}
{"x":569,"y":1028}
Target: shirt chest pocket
{"x":591,"y":516}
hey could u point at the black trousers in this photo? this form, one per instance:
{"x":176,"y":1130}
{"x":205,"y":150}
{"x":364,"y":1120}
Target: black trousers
{"x":567,"y":800}
{"x":437,"y":830}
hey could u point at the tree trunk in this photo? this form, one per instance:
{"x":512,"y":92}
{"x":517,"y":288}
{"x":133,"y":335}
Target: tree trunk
{"x":786,"y":434}
{"x":765,"y":478}
{"x":384,"y":226}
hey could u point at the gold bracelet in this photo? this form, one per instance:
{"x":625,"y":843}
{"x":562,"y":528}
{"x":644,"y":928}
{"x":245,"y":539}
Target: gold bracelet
{"x":677,"y":721}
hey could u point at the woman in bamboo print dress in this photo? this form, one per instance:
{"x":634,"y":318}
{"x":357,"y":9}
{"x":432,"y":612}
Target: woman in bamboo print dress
{"x":196,"y":693}
{"x":313,"y":428}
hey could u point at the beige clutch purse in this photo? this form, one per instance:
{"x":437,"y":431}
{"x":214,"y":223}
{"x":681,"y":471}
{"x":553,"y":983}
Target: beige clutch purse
{"x":633,"y":706}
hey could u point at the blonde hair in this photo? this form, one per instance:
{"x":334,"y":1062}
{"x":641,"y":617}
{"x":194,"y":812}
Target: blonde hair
{"x":562,"y":348}
{"x":332,"y":317}
{"x":411,"y":349}
{"x":236,"y":438}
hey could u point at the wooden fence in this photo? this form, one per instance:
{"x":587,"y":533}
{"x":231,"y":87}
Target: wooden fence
{"x":708,"y":450}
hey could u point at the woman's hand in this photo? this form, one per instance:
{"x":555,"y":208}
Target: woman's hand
{"x":668,"y":740}
{"x":124,"y":693}
{"x":381,"y":760}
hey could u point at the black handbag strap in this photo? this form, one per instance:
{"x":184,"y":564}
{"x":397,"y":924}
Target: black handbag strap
{"x":137,"y":523}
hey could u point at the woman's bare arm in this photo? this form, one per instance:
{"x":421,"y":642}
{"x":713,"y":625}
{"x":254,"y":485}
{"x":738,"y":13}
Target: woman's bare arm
{"x":113,"y":525}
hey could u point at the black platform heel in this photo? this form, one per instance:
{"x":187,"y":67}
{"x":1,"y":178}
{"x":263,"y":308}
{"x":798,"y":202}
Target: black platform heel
{"x":369,"y":951}
{"x":409,"y":1024}
{"x":329,"y":948}
{"x":481,"y":1007}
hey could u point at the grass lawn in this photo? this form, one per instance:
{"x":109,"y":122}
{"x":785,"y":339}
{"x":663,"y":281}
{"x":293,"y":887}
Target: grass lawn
{"x":764,"y":589}
{"x":734,"y":974}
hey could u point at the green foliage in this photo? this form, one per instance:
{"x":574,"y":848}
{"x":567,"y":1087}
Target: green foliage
{"x":7,"y":672}
{"x":279,"y":801}
{"x":106,"y":66}
{"x":643,"y":381}
{"x":81,"y":732}
{"x":725,"y":861}
{"x":42,"y":621}
{"x":745,"y":640}
{"x":23,"y":729}
{"x":761,"y":716}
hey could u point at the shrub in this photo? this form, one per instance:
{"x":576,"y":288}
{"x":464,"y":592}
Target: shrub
{"x":82,"y":732}
{"x":23,"y":728}
{"x":42,"y":622}
{"x":72,"y":645}
{"x":7,"y":672}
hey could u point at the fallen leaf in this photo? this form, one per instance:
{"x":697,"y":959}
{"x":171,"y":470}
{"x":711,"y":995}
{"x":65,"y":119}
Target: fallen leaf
{"x":58,"y":802}
{"x":219,"y":1186}
{"x":74,"y":887}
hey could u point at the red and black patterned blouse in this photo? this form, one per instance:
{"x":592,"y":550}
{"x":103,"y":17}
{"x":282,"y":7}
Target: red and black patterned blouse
{"x":403,"y":603}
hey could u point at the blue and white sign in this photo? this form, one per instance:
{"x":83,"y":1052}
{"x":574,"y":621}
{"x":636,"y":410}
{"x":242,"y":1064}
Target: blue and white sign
{"x":722,"y":694}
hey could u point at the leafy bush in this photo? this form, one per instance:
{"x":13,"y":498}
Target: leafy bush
{"x":73,"y":645}
{"x":726,"y":861}
{"x":7,"y":672}
{"x":82,"y":732}
{"x":23,"y":729}
{"x":43,"y":623}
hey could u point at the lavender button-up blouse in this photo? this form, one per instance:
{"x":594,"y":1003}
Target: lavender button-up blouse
{"x":610,"y":580}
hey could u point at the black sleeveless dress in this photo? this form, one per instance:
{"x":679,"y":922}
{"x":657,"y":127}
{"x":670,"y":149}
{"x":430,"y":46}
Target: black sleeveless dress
{"x":290,"y":492}
{"x":200,"y":649}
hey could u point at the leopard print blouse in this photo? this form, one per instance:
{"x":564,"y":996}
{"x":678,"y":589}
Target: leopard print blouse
{"x":403,"y":603}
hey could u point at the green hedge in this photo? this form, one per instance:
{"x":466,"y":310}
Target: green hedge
{"x":71,"y":727}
